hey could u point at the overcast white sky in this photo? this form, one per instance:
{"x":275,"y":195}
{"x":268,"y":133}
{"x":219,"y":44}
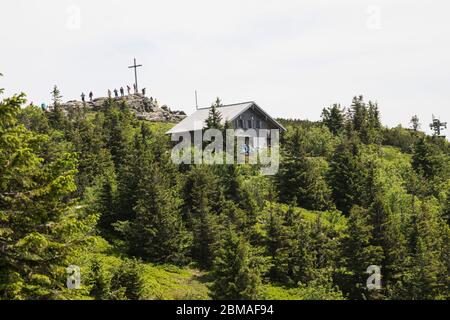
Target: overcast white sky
{"x":292,"y":57}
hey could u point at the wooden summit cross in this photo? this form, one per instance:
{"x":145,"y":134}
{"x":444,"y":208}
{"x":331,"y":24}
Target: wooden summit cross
{"x":135,"y":66}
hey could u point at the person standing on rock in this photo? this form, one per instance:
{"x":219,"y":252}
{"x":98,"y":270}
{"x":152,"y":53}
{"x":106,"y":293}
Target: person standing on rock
{"x":122,"y":92}
{"x":83,"y":96}
{"x":135,"y":88}
{"x":143,"y":91}
{"x":91,"y":96}
{"x":109,"y":93}
{"x":116,"y":93}
{"x":129,"y":90}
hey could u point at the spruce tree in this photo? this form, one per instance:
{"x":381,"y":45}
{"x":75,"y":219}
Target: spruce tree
{"x":291,"y":247}
{"x":100,"y":282}
{"x":446,"y":206}
{"x":41,"y":226}
{"x":373,"y":127}
{"x":57,"y":117}
{"x":347,"y":176}
{"x":300,"y":251}
{"x":415,"y":123}
{"x":128,"y":176}
{"x":426,"y":160}
{"x":200,"y":192}
{"x":364,"y":119}
{"x":333,"y":117}
{"x":430,"y":263}
{"x":276,"y":243}
{"x":236,"y":270}
{"x":360,"y":252}
{"x":359,"y":115}
{"x":214,"y":120}
{"x":118,"y":126}
{"x":398,"y":272}
{"x":230,"y":181}
{"x":95,"y":161}
{"x":156,"y":232}
{"x":127,"y":282}
{"x":105,"y":205}
{"x":301,"y":177}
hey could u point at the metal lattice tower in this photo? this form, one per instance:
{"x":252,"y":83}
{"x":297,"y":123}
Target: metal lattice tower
{"x":437,"y":126}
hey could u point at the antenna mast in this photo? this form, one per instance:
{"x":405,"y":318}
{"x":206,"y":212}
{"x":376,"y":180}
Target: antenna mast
{"x":196,"y":100}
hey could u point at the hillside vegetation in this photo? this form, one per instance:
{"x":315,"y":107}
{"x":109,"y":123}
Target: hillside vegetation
{"x":97,"y":189}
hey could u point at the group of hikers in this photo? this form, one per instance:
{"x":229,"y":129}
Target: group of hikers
{"x":116,"y":93}
{"x":83,"y":96}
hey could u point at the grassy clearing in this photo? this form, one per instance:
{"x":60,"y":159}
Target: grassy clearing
{"x":168,"y":282}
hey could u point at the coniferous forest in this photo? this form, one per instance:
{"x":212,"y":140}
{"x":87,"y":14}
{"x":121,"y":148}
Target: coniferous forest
{"x":98,"y":190}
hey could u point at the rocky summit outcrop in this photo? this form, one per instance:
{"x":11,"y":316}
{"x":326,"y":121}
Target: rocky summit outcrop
{"x":144,"y":107}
